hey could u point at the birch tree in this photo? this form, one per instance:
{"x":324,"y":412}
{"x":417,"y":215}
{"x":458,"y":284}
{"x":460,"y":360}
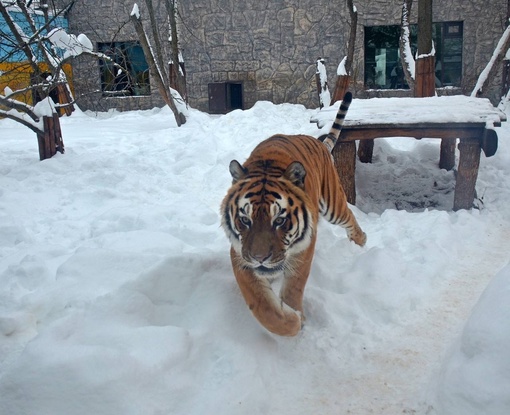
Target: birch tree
{"x":406,"y":54}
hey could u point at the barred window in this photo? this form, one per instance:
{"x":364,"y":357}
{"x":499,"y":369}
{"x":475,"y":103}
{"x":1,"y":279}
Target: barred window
{"x":127,"y":72}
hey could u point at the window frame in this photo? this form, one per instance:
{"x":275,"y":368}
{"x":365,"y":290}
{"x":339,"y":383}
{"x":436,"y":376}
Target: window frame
{"x":449,"y":67}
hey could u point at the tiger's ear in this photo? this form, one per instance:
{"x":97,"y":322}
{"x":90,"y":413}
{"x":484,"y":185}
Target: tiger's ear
{"x":237,"y":171}
{"x":296,"y":174}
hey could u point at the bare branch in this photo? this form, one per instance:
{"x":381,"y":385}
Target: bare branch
{"x":19,"y":106}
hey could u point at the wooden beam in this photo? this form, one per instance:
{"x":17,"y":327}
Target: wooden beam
{"x":426,"y":131}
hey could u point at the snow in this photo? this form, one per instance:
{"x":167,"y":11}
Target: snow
{"x":45,"y":108}
{"x":481,"y":353}
{"x":136,"y":11}
{"x":71,"y":44}
{"x":445,"y":109}
{"x":341,"y":71}
{"x":117,"y":295}
{"x":324,"y":95}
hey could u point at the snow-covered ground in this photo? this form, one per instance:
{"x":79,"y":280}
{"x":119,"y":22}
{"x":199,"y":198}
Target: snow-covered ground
{"x":117,"y":296}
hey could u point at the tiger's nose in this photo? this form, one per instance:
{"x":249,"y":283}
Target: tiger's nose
{"x":261,"y":257}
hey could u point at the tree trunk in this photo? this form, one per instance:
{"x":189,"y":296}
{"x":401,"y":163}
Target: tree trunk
{"x":404,"y":45}
{"x":352,"y":37}
{"x":343,"y":79}
{"x":178,"y":69}
{"x":155,"y":70}
{"x":425,"y":64}
{"x":492,"y":67}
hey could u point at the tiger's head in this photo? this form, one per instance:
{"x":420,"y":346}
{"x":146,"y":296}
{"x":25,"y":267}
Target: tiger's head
{"x":266,"y":216}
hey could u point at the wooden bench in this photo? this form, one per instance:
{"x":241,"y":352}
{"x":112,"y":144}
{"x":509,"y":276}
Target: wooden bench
{"x":470,"y":120}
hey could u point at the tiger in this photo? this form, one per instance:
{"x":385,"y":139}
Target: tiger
{"x":270,"y":215}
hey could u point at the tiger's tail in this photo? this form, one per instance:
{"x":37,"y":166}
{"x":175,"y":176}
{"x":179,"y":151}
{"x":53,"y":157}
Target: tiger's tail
{"x":332,"y":137}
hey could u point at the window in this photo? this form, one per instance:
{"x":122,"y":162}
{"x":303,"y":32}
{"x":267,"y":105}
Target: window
{"x":127,"y":73}
{"x":383,"y":69}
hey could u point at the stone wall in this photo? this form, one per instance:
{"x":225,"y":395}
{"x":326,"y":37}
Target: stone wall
{"x":107,"y":22}
{"x":271,"y":46}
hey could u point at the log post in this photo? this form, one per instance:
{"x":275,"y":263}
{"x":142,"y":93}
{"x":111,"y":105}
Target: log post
{"x":469,"y":161}
{"x":447,"y":155}
{"x":50,"y":141}
{"x":366,"y":150}
{"x":344,"y":155}
{"x":425,"y":84}
{"x":64,"y":98}
{"x":425,"y":63}
{"x":341,"y":86}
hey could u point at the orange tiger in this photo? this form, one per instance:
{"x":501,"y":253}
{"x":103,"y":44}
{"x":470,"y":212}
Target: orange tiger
{"x":270,"y":215}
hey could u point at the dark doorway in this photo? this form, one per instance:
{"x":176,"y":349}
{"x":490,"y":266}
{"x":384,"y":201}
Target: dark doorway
{"x":225,"y":97}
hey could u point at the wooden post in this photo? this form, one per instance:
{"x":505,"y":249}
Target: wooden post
{"x":425,"y":85}
{"x":425,"y":64}
{"x":467,"y":173}
{"x":366,"y":150}
{"x":341,"y":86}
{"x":64,"y":98}
{"x":50,"y":141}
{"x":447,"y":156}
{"x":344,"y":155}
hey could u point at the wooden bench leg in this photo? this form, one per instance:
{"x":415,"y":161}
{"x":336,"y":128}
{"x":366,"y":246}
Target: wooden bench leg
{"x":366,"y":150}
{"x":344,"y":155}
{"x":469,"y":161}
{"x":447,"y":157}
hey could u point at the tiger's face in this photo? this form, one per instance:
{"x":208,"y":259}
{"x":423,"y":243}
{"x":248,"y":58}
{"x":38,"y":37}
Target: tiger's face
{"x":267,"y":221}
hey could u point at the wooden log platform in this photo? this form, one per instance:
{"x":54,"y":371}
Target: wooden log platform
{"x":468,"y":121}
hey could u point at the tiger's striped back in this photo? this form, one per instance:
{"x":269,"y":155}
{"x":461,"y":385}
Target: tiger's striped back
{"x":332,"y":137}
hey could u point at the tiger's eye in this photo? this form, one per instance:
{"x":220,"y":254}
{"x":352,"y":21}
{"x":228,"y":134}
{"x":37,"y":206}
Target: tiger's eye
{"x":279,"y":221}
{"x":245,"y":221}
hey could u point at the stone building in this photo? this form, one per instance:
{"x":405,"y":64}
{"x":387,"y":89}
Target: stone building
{"x":237,"y":52}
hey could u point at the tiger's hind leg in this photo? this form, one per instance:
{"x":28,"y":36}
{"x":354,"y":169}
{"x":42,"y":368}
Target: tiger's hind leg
{"x":335,"y":209}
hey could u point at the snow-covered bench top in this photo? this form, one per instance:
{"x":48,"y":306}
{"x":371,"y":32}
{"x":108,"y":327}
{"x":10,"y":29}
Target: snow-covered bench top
{"x":471,"y":120}
{"x":455,"y":110}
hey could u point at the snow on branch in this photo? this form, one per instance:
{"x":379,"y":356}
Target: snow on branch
{"x":71,"y":45}
{"x":322,"y":83}
{"x":408,"y":62}
{"x":341,"y":69}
